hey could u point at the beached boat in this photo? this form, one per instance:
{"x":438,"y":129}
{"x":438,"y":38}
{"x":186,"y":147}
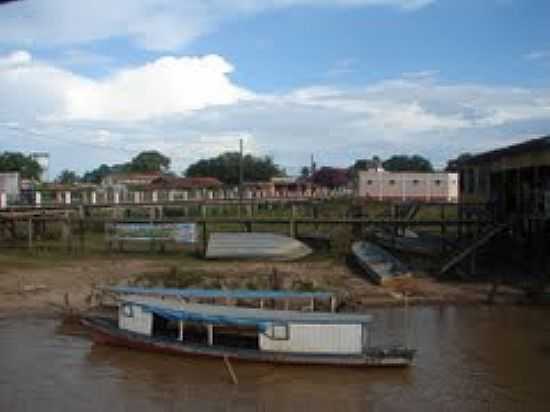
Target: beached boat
{"x":379,"y":264}
{"x":246,"y":334}
{"x":410,"y":242}
{"x":262,"y":246}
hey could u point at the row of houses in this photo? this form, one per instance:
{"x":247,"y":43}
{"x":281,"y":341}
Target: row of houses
{"x":515,"y":178}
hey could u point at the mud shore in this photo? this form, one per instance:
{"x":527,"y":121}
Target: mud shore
{"x":32,"y":286}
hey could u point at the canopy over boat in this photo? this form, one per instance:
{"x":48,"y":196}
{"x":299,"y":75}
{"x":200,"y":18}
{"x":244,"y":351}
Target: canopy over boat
{"x":231,"y":315}
{"x":220,"y":293}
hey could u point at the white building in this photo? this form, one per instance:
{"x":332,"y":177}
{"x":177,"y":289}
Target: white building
{"x":43,"y":159}
{"x":408,"y":186}
{"x":9,"y":185}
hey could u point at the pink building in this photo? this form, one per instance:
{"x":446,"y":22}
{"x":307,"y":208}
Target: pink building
{"x":408,"y":186}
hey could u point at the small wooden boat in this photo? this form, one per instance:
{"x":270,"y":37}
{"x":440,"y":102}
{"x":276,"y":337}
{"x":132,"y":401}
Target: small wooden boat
{"x":379,"y":264}
{"x":262,"y":246}
{"x":411,"y":242}
{"x":246,"y":334}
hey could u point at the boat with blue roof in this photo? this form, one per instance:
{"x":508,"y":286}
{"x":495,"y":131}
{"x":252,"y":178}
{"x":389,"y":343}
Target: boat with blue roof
{"x":176,"y":326}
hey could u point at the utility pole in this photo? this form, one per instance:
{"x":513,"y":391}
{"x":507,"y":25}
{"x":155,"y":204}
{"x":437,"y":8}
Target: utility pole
{"x":241,"y":174}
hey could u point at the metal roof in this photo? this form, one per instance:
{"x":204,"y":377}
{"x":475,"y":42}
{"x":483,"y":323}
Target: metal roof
{"x":221,"y":314}
{"x":533,"y":145}
{"x":220,"y":293}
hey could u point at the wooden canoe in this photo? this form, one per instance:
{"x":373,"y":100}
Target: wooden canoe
{"x":378,"y":263}
{"x":261,"y":246}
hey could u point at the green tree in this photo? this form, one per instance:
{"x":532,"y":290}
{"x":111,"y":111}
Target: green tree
{"x":454,"y":165}
{"x":331,"y":177}
{"x":304,"y":172}
{"x":149,"y":161}
{"x":18,"y":162}
{"x":97,"y":175}
{"x":225,"y":167}
{"x":67,"y":177}
{"x":404,"y":163}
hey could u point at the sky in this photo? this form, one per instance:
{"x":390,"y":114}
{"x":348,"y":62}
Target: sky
{"x":98,"y":82}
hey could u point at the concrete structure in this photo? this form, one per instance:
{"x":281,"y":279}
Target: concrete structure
{"x":43,"y":159}
{"x":516,"y":179}
{"x":9,"y":184}
{"x":378,"y":184}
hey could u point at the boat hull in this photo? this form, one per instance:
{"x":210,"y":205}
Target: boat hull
{"x":105,"y":332}
{"x":378,"y":273}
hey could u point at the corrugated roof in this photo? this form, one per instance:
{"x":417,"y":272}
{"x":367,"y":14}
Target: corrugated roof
{"x":174,"y":182}
{"x":533,"y":145}
{"x":219,"y":293}
{"x":222,"y":314}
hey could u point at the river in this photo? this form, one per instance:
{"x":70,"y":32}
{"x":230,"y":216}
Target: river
{"x":469,"y":359}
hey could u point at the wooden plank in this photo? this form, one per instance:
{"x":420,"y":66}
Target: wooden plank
{"x":471,"y":249}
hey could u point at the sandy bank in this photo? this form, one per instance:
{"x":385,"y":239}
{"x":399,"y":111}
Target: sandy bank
{"x":28,"y":288}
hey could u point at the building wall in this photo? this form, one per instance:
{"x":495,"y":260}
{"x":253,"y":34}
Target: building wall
{"x":408,"y":186}
{"x":343,"y":339}
{"x":9,"y":184}
{"x":134,"y":319}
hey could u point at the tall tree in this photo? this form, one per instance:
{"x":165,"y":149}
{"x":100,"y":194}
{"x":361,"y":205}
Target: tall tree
{"x":18,"y":162}
{"x":67,"y":177}
{"x":225,"y":167}
{"x":304,"y":172}
{"x":97,"y":175}
{"x":331,"y":177}
{"x":404,"y":163}
{"x":150,"y":161}
{"x":454,"y":165}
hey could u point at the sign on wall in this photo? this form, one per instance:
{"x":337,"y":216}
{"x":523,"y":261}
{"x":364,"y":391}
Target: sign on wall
{"x":178,"y":232}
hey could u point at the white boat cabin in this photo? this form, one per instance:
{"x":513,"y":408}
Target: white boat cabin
{"x":265,"y":330}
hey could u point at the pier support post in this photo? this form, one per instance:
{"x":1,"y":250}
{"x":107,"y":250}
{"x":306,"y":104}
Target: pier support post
{"x":37,"y":199}
{"x":210,"y":334}
{"x":29,"y":228}
{"x":93,"y":198}
{"x":67,"y":198}
{"x":3,"y":200}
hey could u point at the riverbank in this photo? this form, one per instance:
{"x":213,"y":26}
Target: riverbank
{"x":48,"y":284}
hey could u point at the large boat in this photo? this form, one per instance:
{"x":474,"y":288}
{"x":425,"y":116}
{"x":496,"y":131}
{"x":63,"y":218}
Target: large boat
{"x":379,"y":264}
{"x":258,"y":335}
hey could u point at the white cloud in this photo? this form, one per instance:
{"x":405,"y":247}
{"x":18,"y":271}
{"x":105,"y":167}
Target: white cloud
{"x":189,"y":107}
{"x":538,"y":55}
{"x":152,"y":24}
{"x":163,"y":87}
{"x":15,"y":59}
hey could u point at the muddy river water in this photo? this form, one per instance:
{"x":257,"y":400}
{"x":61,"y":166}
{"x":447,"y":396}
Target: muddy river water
{"x":469,"y":359}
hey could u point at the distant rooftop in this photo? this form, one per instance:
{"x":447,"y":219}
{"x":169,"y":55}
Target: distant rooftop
{"x":529,"y":146}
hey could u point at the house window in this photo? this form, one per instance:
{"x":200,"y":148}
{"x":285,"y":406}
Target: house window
{"x":369,"y":182}
{"x":415,"y":182}
{"x":437,"y":182}
{"x":392,"y":182}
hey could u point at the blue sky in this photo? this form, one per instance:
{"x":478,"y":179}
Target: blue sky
{"x":343,"y":79}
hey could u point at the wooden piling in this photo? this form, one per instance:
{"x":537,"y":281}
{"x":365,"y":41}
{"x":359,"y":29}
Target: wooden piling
{"x":230,"y":370}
